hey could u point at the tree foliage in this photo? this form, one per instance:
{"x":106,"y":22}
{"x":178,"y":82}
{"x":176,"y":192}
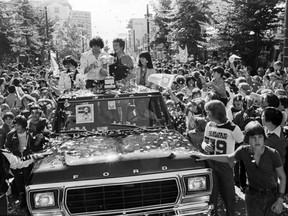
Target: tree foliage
{"x":249,"y":27}
{"x":161,"y":19}
{"x":22,"y":30}
{"x":69,"y":38}
{"x":184,"y":22}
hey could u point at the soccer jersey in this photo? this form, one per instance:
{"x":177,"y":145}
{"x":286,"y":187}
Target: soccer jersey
{"x":223,"y":137}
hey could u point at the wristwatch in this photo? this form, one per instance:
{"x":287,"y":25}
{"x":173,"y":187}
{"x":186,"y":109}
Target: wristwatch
{"x":281,"y":195}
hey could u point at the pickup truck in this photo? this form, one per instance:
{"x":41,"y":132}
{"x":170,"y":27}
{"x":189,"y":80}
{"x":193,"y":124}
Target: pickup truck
{"x":117,"y":153}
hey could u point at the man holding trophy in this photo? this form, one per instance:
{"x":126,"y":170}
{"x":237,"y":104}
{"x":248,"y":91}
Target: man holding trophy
{"x":92,"y":65}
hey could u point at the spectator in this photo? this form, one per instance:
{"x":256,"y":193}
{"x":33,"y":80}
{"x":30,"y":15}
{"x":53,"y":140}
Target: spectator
{"x":4,"y":108}
{"x":26,"y":100}
{"x":262,"y":196}
{"x":38,"y":126}
{"x":6,"y":127}
{"x":271,"y":120}
{"x":13,"y":100}
{"x":144,"y":69}
{"x":10,"y":161}
{"x":20,"y":142}
{"x":217,"y":84}
{"x":220,"y":137}
{"x":181,"y":82}
{"x":236,"y":107}
{"x":188,"y":89}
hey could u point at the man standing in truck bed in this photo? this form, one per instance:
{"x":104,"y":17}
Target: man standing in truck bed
{"x":123,"y":66}
{"x":121,"y":70}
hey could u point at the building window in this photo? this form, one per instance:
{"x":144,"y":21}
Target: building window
{"x":56,"y":10}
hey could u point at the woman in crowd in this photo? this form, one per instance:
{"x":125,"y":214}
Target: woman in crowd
{"x":144,"y":69}
{"x":190,"y":85}
{"x":71,"y":78}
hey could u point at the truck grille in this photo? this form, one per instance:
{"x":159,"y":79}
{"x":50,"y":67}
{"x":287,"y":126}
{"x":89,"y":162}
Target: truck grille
{"x":119,"y":197}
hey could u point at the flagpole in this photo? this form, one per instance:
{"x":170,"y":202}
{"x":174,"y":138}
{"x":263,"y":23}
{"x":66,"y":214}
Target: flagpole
{"x":285,"y":54}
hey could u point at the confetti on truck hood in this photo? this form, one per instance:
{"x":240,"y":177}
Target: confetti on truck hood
{"x":101,"y":149}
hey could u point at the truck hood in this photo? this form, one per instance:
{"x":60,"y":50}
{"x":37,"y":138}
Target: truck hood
{"x":106,"y":148}
{"x":120,"y":155}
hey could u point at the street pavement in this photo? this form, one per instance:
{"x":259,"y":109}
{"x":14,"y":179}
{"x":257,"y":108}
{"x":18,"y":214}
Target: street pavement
{"x":240,"y":205}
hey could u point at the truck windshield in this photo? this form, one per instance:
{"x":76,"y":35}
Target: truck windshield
{"x":111,"y":113}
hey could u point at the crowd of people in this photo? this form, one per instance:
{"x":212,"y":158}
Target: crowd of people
{"x":220,"y":105}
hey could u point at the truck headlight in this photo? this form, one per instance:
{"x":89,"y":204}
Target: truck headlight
{"x":45,"y":199}
{"x":196,"y":183}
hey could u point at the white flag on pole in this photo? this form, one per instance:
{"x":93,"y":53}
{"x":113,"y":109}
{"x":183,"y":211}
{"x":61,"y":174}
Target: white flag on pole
{"x":53,"y":63}
{"x":183,"y":54}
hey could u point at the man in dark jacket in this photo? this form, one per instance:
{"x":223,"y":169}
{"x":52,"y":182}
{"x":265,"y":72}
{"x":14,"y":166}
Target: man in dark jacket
{"x":9,"y":161}
{"x":20,"y":142}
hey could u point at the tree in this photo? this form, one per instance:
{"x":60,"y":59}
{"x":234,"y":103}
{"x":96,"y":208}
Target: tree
{"x":186,"y":23}
{"x":28,"y":34}
{"x":8,"y":30}
{"x":163,"y":11}
{"x":44,"y":39}
{"x":249,"y":26}
{"x":69,"y":40}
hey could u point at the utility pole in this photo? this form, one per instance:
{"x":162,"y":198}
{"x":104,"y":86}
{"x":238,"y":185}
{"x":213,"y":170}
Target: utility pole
{"x":148,"y":29}
{"x":47,"y":32}
{"x":285,"y":54}
{"x":46,"y":23}
{"x":134,"y":40}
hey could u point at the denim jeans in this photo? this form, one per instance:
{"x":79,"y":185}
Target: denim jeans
{"x":259,"y":204}
{"x":223,"y":184}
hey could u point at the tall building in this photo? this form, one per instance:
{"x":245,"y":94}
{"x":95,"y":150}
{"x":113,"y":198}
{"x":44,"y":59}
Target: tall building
{"x":57,"y":9}
{"x":61,"y":11}
{"x":137,"y":34}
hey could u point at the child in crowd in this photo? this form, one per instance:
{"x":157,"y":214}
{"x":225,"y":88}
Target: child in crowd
{"x":218,"y":84}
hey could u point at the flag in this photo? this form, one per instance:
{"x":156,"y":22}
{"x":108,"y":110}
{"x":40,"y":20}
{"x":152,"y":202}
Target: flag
{"x":233,"y":57}
{"x":183,"y":54}
{"x":53,"y":64}
{"x":163,"y":80}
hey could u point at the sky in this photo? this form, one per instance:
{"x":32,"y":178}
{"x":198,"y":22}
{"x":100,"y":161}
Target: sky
{"x":110,"y":17}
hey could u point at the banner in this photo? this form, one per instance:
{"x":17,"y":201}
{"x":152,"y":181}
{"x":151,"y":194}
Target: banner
{"x":53,"y":63}
{"x":163,"y":80}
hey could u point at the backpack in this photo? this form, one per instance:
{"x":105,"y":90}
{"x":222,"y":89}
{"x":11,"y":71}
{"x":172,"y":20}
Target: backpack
{"x":4,"y":172}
